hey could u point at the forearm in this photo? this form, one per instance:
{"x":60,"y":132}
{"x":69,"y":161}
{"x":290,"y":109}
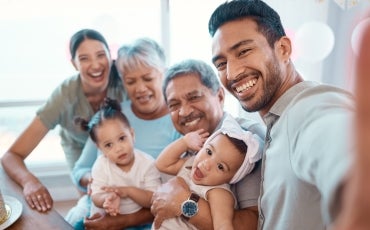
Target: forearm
{"x":169,"y":160}
{"x":167,"y":201}
{"x":15,"y":167}
{"x":140,"y":196}
{"x":203,"y":219}
{"x":81,"y":172}
{"x":13,"y":159}
{"x":143,"y":216}
{"x":121,"y":221}
{"x":246,"y":219}
{"x":221,"y":199}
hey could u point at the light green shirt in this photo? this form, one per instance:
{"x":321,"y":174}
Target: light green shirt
{"x":307,"y":154}
{"x":67,"y":102}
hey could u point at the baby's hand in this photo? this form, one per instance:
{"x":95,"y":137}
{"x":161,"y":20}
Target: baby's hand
{"x":120,"y":191}
{"x":195,"y":140}
{"x":111,"y":204}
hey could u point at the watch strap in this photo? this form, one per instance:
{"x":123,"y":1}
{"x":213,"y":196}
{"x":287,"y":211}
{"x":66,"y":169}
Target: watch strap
{"x":195,"y":197}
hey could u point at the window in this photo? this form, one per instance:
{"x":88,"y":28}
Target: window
{"x":35,"y":56}
{"x":35,"y":34}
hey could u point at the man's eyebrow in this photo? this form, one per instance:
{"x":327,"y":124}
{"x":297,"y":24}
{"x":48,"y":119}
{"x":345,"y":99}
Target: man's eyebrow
{"x":241,"y":43}
{"x":171,"y":100}
{"x":186,"y":96}
{"x":232,"y":48}
{"x":214,"y":59}
{"x":194,"y":92}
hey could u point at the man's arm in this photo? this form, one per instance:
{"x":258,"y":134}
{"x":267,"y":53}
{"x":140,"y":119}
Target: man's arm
{"x":169,"y":197}
{"x":354,"y":213}
{"x":107,"y":222}
{"x":246,"y":218}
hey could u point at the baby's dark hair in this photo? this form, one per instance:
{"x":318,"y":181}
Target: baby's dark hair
{"x":109,"y":110}
{"x":239,"y":144}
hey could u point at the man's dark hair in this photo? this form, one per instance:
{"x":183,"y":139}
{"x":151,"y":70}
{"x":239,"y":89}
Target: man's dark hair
{"x":267,"y":19}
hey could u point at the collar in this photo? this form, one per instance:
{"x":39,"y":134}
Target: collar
{"x":282,"y":103}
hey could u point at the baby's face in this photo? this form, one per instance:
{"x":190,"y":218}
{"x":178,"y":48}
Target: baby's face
{"x":217,"y":162}
{"x":116,"y":140}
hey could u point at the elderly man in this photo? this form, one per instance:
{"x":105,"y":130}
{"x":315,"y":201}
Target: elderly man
{"x":195,"y":99}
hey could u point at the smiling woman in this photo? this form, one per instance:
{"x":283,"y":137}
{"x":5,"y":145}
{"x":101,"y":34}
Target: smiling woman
{"x":75,"y":96}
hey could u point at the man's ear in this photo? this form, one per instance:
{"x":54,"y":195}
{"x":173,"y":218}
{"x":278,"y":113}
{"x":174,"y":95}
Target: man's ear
{"x":283,"y":48}
{"x":221,"y":95}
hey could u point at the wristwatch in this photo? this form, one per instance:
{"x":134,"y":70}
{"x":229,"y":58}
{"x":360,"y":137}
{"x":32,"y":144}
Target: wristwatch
{"x":189,"y":207}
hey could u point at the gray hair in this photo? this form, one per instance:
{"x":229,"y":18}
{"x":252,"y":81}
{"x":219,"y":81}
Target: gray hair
{"x":200,"y":68}
{"x":143,"y":51}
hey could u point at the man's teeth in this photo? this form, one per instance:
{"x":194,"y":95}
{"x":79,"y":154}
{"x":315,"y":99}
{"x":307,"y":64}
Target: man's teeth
{"x":246,"y":86}
{"x":192,"y":122}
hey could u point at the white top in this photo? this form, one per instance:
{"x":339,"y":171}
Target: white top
{"x":143,"y":174}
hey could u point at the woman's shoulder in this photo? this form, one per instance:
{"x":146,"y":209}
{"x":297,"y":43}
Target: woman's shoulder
{"x":66,"y":92}
{"x":67,"y":86}
{"x":71,"y":83}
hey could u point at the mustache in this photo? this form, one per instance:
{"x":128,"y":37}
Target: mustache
{"x":189,"y":118}
{"x":242,"y":76}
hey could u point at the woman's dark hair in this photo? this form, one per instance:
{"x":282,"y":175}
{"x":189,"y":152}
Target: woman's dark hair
{"x":267,"y":19}
{"x":84,"y":34}
{"x":81,"y":36}
{"x":111,"y":109}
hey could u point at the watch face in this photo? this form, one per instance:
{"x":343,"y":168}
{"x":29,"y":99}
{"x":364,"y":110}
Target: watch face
{"x":189,"y":208}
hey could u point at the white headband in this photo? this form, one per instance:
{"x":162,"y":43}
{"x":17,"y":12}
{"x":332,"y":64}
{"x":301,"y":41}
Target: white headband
{"x":231,"y":128}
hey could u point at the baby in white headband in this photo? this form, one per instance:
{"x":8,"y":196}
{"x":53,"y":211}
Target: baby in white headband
{"x":226,"y":157}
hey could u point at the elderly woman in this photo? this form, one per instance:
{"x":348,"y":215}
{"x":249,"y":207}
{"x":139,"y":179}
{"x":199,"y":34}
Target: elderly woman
{"x":141,"y":65}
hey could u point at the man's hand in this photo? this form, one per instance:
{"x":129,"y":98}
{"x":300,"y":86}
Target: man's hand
{"x":101,"y":221}
{"x":167,"y":200}
{"x":121,"y":221}
{"x":354,"y":213}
